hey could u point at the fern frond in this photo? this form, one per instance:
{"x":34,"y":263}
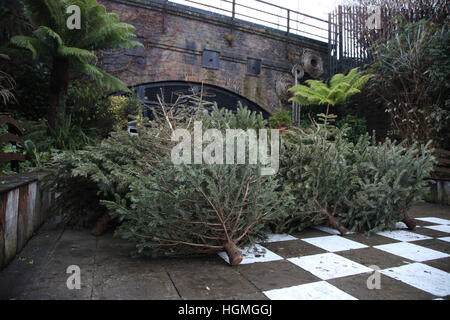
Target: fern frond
{"x":29,"y":43}
{"x":44,"y":32}
{"x":81,"y":55}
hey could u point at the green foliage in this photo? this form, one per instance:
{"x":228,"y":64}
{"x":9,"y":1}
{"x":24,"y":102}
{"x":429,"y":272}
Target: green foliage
{"x":11,"y":21}
{"x":339,"y":89}
{"x":222,"y":119}
{"x":281,"y":119}
{"x":367,"y":187}
{"x":92,"y":111}
{"x":31,"y":90}
{"x":391,"y":178}
{"x":88,"y":106}
{"x":8,"y":147}
{"x":99,"y":31}
{"x":7,"y":84}
{"x":412,"y":71}
{"x":196,"y":209}
{"x":42,"y":142}
{"x":109,"y":169}
{"x":84,"y":177}
{"x":122,"y":108}
{"x":71,"y":52}
{"x":67,"y":136}
{"x":356,"y":127}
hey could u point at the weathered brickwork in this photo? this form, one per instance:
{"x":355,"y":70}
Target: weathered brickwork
{"x":174,"y":41}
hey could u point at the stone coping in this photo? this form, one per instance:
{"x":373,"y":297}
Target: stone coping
{"x":13,"y":181}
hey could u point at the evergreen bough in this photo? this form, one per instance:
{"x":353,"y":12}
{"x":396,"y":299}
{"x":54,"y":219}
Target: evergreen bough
{"x":364,"y":186}
{"x":169,"y":209}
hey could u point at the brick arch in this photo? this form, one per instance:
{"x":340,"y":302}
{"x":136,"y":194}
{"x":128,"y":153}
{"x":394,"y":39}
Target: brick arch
{"x":171,"y":90}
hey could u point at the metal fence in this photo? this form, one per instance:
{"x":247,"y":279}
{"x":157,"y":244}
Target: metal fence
{"x":346,"y":47}
{"x":266,"y":14}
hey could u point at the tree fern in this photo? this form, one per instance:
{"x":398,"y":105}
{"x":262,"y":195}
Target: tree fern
{"x":73,"y":49}
{"x":339,"y":89}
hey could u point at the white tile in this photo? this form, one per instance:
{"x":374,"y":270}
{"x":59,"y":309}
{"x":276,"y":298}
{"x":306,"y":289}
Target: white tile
{"x":330,"y":230}
{"x":252,"y":254}
{"x":329,"y":265}
{"x":434,"y":220}
{"x":442,"y":228}
{"x":412,"y":251}
{"x":320,"y":290}
{"x":445,"y":239}
{"x":423,"y":277}
{"x":334,"y":243}
{"x":272,"y":237}
{"x":403,"y":235}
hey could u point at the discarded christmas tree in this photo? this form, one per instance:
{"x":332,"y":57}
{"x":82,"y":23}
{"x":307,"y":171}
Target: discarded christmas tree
{"x":175,"y":209}
{"x":361,"y":187}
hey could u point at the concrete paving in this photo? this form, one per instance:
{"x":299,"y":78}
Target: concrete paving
{"x":312,"y":264}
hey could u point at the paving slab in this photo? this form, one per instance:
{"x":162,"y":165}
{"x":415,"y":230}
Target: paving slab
{"x":370,"y":240}
{"x":435,"y":244}
{"x":423,"y":277}
{"x":320,"y":290}
{"x":203,"y":283}
{"x":275,"y":274}
{"x":412,"y":251}
{"x":443,"y":264}
{"x":311,"y":264}
{"x":389,"y":289}
{"x":430,"y":232}
{"x":373,"y":257}
{"x":329,"y":265}
{"x":20,"y":273}
{"x":292,"y":249}
{"x":133,"y":285}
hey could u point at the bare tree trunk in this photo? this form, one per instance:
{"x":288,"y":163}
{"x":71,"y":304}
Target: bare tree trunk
{"x":101,"y":225}
{"x":59,"y":82}
{"x":336,"y":224}
{"x":234,"y":255}
{"x":410,"y":223}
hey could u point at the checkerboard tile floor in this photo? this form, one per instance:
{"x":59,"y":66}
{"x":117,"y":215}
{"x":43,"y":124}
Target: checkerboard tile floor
{"x":319,"y":264}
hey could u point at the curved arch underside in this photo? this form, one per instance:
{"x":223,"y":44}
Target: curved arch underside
{"x":170,"y":91}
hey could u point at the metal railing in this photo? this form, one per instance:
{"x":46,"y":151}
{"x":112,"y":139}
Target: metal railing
{"x":346,"y":45}
{"x":266,"y":14}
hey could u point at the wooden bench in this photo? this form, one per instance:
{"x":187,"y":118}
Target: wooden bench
{"x":442,"y":170}
{"x":15,"y":131}
{"x":441,"y":175}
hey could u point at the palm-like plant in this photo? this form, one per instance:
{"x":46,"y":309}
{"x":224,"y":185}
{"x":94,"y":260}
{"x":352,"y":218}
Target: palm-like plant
{"x":339,"y":89}
{"x":72,"y":50}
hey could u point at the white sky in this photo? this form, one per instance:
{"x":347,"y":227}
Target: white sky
{"x":315,"y":8}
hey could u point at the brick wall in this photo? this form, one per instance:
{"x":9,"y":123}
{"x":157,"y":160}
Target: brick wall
{"x":174,"y":41}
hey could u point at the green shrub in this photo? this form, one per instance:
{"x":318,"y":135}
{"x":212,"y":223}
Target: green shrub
{"x":281,"y":119}
{"x":94,"y":112}
{"x":367,"y":187}
{"x":222,"y":119}
{"x":356,"y":127}
{"x":31,"y":90}
{"x":412,"y":71}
